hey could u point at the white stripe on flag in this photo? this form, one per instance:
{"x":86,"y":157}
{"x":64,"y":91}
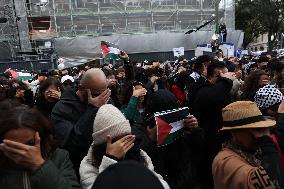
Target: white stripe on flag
{"x":176,"y":126}
{"x":114,"y":50}
{"x":24,"y":74}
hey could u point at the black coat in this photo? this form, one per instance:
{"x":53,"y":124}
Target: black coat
{"x":56,"y":173}
{"x":73,"y":124}
{"x":192,"y":89}
{"x":44,"y":106}
{"x":208,"y":104}
{"x":181,"y":163}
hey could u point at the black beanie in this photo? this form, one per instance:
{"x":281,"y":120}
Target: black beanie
{"x":127,"y":175}
{"x":161,"y":100}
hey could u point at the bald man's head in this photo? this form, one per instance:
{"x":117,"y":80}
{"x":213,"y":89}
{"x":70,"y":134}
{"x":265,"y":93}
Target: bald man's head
{"x":91,"y":74}
{"x":95,"y":80}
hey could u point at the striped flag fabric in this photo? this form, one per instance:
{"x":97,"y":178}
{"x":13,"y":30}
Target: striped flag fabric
{"x":170,"y":125}
{"x":19,"y":75}
{"x":110,"y":50}
{"x":24,"y":76}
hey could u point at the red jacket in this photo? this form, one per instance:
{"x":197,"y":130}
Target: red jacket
{"x":180,"y":95}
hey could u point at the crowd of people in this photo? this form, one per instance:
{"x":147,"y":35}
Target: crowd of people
{"x":93,"y":126}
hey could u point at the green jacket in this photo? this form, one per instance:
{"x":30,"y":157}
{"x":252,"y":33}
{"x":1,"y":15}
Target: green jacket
{"x":56,"y":173}
{"x":130,"y":111}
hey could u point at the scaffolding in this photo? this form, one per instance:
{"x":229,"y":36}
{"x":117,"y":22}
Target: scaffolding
{"x":33,"y":24}
{"x":9,"y":36}
{"x":96,"y":17}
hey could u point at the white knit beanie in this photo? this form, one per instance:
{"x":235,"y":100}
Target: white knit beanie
{"x":109,"y":121}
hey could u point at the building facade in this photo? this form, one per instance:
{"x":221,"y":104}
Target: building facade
{"x":259,"y":44}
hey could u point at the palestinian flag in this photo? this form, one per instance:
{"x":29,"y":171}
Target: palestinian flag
{"x":110,"y":50}
{"x":19,"y":75}
{"x":170,"y":125}
{"x":24,"y":76}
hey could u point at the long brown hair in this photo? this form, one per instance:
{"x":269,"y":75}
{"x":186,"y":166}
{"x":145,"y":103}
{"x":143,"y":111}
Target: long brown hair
{"x":251,"y":83}
{"x":25,"y":117}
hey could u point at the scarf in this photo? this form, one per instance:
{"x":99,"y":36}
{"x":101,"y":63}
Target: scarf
{"x":252,"y":159}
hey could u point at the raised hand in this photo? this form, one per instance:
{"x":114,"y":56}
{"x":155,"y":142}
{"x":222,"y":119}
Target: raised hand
{"x":100,"y":100}
{"x":229,"y":75}
{"x":119,"y":148}
{"x":139,"y":92}
{"x":123,"y":55}
{"x":190,"y":122}
{"x":153,"y":79}
{"x":54,"y":94}
{"x":24,"y":155}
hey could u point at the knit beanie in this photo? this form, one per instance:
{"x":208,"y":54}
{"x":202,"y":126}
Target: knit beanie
{"x":109,"y":121}
{"x":161,"y":100}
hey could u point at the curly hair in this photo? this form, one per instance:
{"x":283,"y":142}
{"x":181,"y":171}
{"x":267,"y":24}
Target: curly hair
{"x":251,"y":83}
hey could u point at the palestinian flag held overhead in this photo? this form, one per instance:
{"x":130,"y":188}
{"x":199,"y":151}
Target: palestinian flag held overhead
{"x":24,"y":76}
{"x":170,"y":125}
{"x":19,"y":75}
{"x":110,"y":50}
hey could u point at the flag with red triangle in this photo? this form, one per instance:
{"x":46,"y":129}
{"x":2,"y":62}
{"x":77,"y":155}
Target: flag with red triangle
{"x":110,"y":50}
{"x":170,"y":125}
{"x":19,"y":75}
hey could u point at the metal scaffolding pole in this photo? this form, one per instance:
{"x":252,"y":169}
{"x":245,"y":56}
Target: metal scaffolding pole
{"x":126,"y":17}
{"x":177,"y":18}
{"x":73,"y":31}
{"x":131,"y":15}
{"x":54,"y":16}
{"x":217,"y":15}
{"x":22,"y":24}
{"x":152,"y":17}
{"x":100,"y":19}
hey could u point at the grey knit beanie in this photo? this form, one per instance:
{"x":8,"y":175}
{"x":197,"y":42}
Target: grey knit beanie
{"x":109,"y":121}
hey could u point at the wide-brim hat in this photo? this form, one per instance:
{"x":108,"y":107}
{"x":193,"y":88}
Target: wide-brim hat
{"x":244,"y":115}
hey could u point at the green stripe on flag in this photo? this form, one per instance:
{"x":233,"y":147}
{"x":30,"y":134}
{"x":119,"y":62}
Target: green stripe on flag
{"x":173,"y":136}
{"x":24,"y":76}
{"x":112,"y":56}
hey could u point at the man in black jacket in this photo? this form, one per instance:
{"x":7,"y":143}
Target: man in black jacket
{"x":209,"y":101}
{"x":197,"y":78}
{"x":73,"y":116}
